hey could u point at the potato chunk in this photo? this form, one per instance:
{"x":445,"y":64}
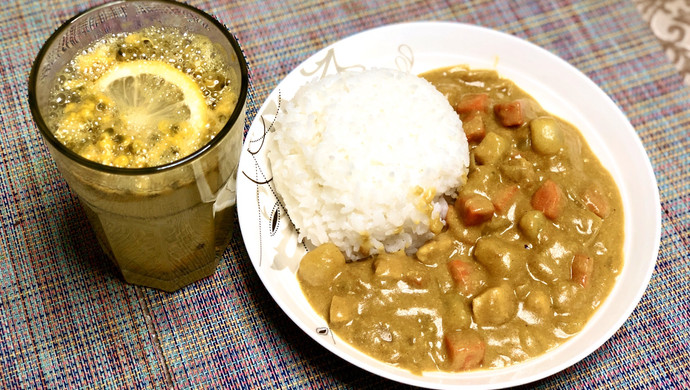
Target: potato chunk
{"x":343,"y":309}
{"x":545,"y":268}
{"x":539,"y":303}
{"x":532,"y":223}
{"x":389,"y":265}
{"x":501,"y":258}
{"x":567,"y":295}
{"x":546,"y":135}
{"x":491,"y":150}
{"x":439,"y":247}
{"x":321,"y":265}
{"x":458,"y":314}
{"x":495,"y":306}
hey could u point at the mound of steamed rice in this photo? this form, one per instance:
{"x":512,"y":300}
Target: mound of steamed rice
{"x":362,"y":160}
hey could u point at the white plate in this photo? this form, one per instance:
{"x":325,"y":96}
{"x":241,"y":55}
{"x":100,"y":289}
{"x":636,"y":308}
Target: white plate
{"x":561,"y":89}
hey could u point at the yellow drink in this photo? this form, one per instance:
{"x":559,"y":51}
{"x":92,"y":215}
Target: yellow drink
{"x":143,"y":99}
{"x":146,"y":127}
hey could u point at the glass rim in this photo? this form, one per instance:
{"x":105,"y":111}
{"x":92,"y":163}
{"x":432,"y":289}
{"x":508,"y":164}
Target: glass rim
{"x":64,"y":150}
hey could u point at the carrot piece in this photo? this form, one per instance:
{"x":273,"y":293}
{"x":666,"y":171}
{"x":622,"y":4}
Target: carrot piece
{"x":460,"y":271}
{"x":549,"y":199}
{"x":596,"y":202}
{"x":470,"y":278}
{"x":503,"y":198}
{"x":514,"y":113}
{"x":465,"y":349}
{"x":474,"y":128}
{"x":470,"y":102}
{"x":581,"y":269}
{"x":474,"y":209}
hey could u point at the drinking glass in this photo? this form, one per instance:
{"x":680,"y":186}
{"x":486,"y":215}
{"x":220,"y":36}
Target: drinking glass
{"x":165,"y":226}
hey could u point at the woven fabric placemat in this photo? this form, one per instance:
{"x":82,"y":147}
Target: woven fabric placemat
{"x":68,"y":320}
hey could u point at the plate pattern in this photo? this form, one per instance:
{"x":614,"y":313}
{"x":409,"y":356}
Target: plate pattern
{"x":277,"y":234}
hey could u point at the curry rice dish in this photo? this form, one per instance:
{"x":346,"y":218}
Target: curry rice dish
{"x":531,"y":245}
{"x":357,"y":180}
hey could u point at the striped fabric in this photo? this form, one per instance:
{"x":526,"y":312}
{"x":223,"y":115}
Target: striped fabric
{"x":67,"y":319}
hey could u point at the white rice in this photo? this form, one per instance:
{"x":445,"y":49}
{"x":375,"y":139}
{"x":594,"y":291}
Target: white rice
{"x":351,"y":151}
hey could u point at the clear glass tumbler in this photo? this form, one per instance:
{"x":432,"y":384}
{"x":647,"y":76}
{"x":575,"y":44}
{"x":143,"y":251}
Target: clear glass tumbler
{"x":166,"y":226}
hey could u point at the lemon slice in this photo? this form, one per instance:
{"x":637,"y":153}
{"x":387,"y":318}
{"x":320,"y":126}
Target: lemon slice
{"x":148,"y":92}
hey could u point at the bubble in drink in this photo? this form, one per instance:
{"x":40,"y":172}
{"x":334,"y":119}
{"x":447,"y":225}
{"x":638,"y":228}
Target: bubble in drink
{"x":143,"y":99}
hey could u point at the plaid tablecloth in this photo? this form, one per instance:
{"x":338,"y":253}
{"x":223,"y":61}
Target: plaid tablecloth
{"x":67,"y":319}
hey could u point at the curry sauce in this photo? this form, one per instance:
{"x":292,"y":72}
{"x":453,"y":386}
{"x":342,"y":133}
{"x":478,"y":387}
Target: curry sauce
{"x":532,"y":245}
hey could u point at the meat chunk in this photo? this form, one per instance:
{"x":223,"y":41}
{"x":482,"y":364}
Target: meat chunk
{"x":474,"y":209}
{"x":471,"y":102}
{"x":513,"y":113}
{"x":474,"y":128}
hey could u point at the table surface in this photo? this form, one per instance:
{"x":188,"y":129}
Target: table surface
{"x":67,"y":319}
